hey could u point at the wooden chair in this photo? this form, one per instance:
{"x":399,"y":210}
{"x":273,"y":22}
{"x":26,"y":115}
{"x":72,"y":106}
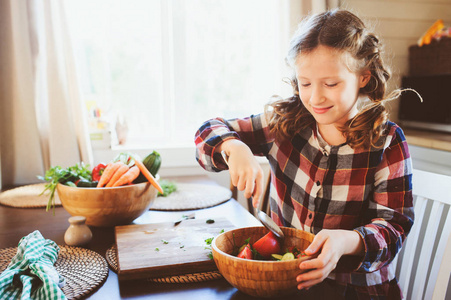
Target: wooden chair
{"x":424,"y":264}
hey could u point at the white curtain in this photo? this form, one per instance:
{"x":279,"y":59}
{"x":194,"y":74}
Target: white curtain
{"x":41,"y":113}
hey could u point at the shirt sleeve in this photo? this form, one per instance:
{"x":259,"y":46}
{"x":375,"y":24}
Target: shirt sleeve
{"x":390,"y":211}
{"x":253,"y":131}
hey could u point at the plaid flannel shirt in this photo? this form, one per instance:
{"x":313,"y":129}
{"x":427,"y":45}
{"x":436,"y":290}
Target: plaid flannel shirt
{"x":331,"y":187}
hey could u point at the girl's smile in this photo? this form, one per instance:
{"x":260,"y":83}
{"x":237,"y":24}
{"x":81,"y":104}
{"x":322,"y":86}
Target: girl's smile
{"x":329,"y":89}
{"x":321,"y":110}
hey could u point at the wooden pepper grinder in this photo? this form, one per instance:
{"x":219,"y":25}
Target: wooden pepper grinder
{"x":78,"y":233}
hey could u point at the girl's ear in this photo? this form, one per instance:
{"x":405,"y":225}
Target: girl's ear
{"x":364,"y":78}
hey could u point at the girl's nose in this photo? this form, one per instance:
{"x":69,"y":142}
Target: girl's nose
{"x":316,"y":97}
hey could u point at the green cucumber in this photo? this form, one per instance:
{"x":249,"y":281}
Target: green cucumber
{"x":287,"y":256}
{"x":152,"y":163}
{"x":276,"y":256}
{"x":87,"y":184}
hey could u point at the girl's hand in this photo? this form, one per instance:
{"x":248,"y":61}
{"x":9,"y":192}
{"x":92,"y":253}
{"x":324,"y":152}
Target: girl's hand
{"x":332,"y":245}
{"x":245,"y":172}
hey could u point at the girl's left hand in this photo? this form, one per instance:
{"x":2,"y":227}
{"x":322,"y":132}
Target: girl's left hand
{"x":332,"y":245}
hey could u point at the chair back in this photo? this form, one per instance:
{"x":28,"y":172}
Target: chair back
{"x":424,"y":263}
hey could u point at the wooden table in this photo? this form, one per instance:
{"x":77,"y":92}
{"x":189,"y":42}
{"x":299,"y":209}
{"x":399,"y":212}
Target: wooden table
{"x":18,"y":222}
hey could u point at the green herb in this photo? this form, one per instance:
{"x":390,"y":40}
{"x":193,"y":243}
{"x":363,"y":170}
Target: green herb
{"x":168,"y":188}
{"x":67,"y":176}
{"x":165,"y":242}
{"x":157,"y":249}
{"x":209,"y":241}
{"x":210,"y":221}
{"x":182,"y":247}
{"x":222,"y":231}
{"x":256,"y":255}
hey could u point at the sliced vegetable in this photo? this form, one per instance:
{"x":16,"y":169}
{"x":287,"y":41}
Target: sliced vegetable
{"x":108,"y":173}
{"x":128,"y":177}
{"x":301,"y":254}
{"x":277,"y":256}
{"x":123,"y":168}
{"x":267,"y":245}
{"x":149,"y":176}
{"x":296,"y":252}
{"x":246,"y":253}
{"x":287,"y":256}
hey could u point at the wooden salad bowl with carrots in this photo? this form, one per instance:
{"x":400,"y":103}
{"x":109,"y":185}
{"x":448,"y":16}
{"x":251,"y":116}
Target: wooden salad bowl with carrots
{"x":108,"y":206}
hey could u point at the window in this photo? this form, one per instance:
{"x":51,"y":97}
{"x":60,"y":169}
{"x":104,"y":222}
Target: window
{"x":166,"y":66}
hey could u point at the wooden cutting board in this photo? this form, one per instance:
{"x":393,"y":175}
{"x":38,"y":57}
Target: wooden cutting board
{"x":162,"y":249}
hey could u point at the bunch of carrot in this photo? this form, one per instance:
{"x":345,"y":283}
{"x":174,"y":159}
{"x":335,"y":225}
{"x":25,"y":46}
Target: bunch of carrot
{"x":118,"y":173}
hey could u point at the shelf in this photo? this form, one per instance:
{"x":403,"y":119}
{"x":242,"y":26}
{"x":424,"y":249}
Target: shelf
{"x":429,"y":139}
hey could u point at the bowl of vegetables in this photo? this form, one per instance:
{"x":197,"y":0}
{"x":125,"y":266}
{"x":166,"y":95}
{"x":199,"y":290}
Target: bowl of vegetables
{"x":108,"y":195}
{"x":255,"y":262}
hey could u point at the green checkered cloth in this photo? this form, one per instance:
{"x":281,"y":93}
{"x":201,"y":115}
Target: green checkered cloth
{"x":31,"y":274}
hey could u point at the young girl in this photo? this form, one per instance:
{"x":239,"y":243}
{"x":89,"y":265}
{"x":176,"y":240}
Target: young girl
{"x":339,"y":168}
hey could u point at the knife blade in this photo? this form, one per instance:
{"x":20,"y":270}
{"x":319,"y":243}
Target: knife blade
{"x":184,"y":217}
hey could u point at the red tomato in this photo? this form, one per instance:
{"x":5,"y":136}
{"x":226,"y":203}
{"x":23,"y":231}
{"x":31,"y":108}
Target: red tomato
{"x":246,"y":253}
{"x":300,"y":254}
{"x":267,"y":245}
{"x":97,"y":172}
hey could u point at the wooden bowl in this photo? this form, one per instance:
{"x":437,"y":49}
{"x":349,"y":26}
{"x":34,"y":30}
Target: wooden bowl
{"x":107,"y":207}
{"x":259,"y":278}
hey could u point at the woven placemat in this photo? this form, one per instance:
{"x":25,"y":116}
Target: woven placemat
{"x":111,"y":257}
{"x":192,"y":196}
{"x":27,"y":196}
{"x":83,"y":269}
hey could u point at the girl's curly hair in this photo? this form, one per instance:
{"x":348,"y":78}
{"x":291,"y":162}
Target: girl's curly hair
{"x":345,"y":32}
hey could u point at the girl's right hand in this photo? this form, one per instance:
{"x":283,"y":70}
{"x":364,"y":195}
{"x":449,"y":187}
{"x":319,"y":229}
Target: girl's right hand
{"x":245,"y":172}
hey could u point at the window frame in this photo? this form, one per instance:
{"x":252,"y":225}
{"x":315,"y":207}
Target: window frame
{"x":180,"y":160}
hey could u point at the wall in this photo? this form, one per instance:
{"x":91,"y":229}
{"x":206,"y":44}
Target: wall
{"x":399,"y":24}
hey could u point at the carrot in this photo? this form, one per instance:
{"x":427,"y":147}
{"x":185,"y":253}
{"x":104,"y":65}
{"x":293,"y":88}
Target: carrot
{"x":123,"y":168}
{"x":148,"y":175}
{"x":109,"y":171}
{"x":128,"y":177}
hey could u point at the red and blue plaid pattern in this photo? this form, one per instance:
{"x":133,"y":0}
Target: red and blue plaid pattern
{"x":331,"y":187}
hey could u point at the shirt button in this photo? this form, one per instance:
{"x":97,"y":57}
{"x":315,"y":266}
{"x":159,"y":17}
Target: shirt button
{"x":310,"y":216}
{"x":318,"y":183}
